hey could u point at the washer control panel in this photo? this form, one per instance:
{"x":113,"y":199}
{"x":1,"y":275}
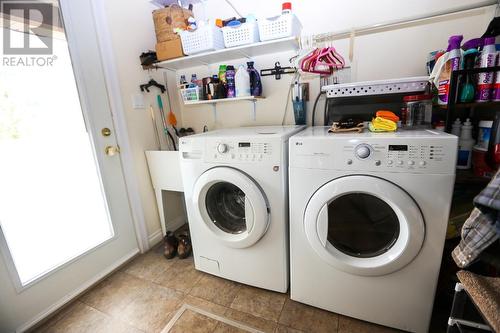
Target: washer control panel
{"x":241,"y":151}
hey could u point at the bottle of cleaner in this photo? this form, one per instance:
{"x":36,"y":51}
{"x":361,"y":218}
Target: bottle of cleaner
{"x":255,"y":82}
{"x":231,"y":91}
{"x":447,"y":63}
{"x":222,"y":86}
{"x":496,"y":86}
{"x":465,"y":144}
{"x":286,"y":8}
{"x":456,"y":127}
{"x":242,"y":82}
{"x":487,"y":58}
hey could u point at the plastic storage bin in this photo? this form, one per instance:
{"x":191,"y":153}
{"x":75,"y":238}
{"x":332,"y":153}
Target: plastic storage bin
{"x":279,"y":27}
{"x":205,"y":38}
{"x":246,"y":33}
{"x":190,"y":94}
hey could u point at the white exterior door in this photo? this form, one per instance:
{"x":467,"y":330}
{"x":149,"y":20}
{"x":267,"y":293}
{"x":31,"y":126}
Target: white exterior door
{"x":232,"y":207}
{"x":65,"y":215}
{"x":364,"y":225}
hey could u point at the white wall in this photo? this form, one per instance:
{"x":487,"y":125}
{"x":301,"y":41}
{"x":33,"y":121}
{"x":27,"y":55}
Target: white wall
{"x":389,"y":54}
{"x":132,"y":32}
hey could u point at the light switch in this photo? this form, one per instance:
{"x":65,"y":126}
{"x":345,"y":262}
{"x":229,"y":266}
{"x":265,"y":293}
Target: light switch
{"x":138,"y":101}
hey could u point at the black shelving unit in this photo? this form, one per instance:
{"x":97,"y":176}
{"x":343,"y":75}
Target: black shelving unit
{"x":453,"y":105}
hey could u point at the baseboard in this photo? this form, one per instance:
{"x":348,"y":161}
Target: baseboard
{"x":71,"y":296}
{"x":172,"y":225}
{"x":155,"y":238}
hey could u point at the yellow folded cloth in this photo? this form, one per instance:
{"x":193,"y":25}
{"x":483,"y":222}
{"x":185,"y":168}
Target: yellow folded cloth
{"x":380,"y":124}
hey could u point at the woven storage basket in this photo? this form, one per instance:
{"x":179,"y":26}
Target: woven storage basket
{"x":170,"y":18}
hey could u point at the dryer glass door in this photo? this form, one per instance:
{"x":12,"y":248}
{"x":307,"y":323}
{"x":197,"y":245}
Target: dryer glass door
{"x":364,"y":225}
{"x":231,"y":206}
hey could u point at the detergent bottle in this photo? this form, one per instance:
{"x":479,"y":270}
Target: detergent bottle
{"x":447,"y":63}
{"x":242,"y":82}
{"x":485,"y":80}
{"x":231,"y":89}
{"x":465,"y":144}
{"x":255,"y":82}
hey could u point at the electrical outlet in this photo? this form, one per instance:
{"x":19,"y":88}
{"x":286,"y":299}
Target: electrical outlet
{"x":138,"y":101}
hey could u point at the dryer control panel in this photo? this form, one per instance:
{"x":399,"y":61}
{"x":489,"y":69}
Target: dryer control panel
{"x":394,"y":156}
{"x":222,"y":150}
{"x":419,"y":154}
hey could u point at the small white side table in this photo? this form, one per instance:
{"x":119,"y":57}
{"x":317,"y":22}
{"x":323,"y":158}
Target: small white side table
{"x":165,"y":171}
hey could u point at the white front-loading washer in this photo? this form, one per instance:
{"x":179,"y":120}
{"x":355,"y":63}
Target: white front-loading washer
{"x":235,"y":187}
{"x":368,"y":217}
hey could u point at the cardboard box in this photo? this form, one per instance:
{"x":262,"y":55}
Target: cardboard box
{"x":169,"y":50}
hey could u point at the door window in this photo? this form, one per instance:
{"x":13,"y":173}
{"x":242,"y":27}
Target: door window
{"x":52,"y":206}
{"x":225,"y":203}
{"x":361,"y":225}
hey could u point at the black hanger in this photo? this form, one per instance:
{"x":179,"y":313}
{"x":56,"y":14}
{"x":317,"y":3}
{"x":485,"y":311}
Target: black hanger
{"x":277,"y":71}
{"x":493,"y":29}
{"x":152,"y":83}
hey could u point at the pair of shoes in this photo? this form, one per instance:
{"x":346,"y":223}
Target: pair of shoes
{"x":177,"y":246}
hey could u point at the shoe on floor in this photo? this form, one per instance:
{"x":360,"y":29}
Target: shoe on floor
{"x":171,"y":244}
{"x":184,"y":248}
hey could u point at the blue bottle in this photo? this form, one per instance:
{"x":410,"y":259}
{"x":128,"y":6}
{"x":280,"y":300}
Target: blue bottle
{"x":255,"y":82}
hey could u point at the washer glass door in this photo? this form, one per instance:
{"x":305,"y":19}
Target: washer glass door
{"x":225,"y":203}
{"x":364,"y":225}
{"x":232,"y":206}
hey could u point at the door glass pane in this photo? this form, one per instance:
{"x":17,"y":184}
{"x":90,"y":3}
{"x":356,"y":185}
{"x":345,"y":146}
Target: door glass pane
{"x":225,"y":204}
{"x":52,"y":207}
{"x":361,"y":225}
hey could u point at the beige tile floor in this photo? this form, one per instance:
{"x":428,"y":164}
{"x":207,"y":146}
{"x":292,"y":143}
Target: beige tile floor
{"x":145,"y":294}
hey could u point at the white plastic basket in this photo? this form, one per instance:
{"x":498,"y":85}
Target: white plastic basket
{"x":246,"y":33}
{"x":205,"y":38}
{"x":281,"y":26}
{"x":190,"y":94}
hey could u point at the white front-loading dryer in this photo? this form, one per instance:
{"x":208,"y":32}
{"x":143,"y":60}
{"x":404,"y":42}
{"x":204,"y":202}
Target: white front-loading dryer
{"x":235,"y":183}
{"x":368,"y":217}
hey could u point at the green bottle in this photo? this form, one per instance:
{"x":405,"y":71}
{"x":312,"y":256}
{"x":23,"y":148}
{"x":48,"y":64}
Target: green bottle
{"x":222,"y":74}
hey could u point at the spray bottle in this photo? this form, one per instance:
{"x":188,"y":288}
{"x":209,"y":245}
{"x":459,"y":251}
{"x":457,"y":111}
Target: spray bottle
{"x":485,"y":80}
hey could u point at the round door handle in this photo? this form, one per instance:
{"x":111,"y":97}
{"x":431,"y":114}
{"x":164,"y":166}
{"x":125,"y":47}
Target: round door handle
{"x":112,"y":150}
